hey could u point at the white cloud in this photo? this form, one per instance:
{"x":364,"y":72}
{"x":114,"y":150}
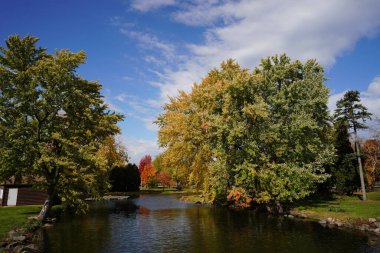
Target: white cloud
{"x":150,"y":41}
{"x":250,"y":30}
{"x":114,"y":107}
{"x":147,"y":5}
{"x":144,"y":111}
{"x":374,"y":87}
{"x":137,"y":148}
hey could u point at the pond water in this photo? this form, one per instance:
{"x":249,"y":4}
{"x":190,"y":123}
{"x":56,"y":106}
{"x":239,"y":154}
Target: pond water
{"x":161,"y":223}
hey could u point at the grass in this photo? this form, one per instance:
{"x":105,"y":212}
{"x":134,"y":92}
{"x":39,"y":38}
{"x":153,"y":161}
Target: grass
{"x":15,"y":216}
{"x":342,"y":208}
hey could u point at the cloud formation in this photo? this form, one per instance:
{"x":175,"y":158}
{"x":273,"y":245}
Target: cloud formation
{"x":137,"y":148}
{"x":148,"y":5}
{"x":250,"y":30}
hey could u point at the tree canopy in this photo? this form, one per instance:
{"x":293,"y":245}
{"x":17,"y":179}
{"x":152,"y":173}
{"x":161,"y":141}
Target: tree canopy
{"x":264,"y":134}
{"x":52,"y":121}
{"x":125,"y":178}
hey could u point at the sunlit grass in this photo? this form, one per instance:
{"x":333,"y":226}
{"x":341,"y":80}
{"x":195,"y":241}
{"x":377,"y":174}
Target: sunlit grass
{"x":342,"y":208}
{"x":11,"y":217}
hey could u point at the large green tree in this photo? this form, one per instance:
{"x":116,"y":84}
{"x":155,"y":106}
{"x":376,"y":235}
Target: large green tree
{"x":351,"y":112}
{"x":52,"y":122}
{"x":261,"y":134}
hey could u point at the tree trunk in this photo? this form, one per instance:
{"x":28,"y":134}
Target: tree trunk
{"x":45,"y":210}
{"x":361,"y":174}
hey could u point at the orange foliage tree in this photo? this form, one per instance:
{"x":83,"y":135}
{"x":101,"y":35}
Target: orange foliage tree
{"x":164,"y":178}
{"x":148,"y":175}
{"x":144,"y":161}
{"x":371,"y":148}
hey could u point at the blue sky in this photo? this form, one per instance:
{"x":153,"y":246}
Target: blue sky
{"x":143,"y":51}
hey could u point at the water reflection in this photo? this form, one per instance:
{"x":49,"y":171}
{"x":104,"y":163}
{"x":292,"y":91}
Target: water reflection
{"x":161,"y":223}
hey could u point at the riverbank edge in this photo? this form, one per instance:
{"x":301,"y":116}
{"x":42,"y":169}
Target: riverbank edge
{"x":366,"y":225}
{"x":370,"y":225}
{"x":25,"y":238}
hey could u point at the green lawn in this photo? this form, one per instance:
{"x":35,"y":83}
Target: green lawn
{"x":11,"y":217}
{"x":342,"y":208}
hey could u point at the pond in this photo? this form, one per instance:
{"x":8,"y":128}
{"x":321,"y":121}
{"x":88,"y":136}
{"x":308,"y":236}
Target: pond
{"x":162,"y":223}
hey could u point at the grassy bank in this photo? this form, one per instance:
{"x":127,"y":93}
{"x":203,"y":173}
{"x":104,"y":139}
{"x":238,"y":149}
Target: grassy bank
{"x":11,"y":217}
{"x":342,"y":208}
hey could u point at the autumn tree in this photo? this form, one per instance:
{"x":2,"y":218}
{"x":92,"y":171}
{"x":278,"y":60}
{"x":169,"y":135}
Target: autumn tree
{"x":147,"y":159}
{"x":164,"y":178}
{"x":351,"y":112}
{"x":52,"y":122}
{"x":148,"y":175}
{"x":371,"y":149}
{"x":264,"y":134}
{"x":113,"y":152}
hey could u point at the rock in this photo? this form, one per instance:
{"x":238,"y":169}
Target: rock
{"x":290,"y":216}
{"x":20,"y":238}
{"x":14,"y":233}
{"x":18,"y":249}
{"x":364,"y":227}
{"x":303,"y":216}
{"x":30,"y":248}
{"x":348,"y":225}
{"x":376,"y":224}
{"x":33,"y":218}
{"x":377,"y":230}
{"x":47,"y":225}
{"x":12,"y":245}
{"x":330,"y":220}
{"x":371,"y":220}
{"x":322,"y":222}
{"x":339,"y":224}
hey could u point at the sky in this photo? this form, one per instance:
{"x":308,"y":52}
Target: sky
{"x":143,"y":51}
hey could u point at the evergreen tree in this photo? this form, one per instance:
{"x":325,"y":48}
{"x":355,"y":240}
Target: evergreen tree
{"x":125,"y":178}
{"x":345,"y":176}
{"x":349,"y":111}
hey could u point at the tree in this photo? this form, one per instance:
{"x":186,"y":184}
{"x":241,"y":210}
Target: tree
{"x":345,"y":176}
{"x":52,"y":122}
{"x":263,"y":134}
{"x":164,"y":178}
{"x":126,"y":178}
{"x":371,"y":149}
{"x":113,"y":152}
{"x":147,"y":159}
{"x":351,"y":112}
{"x":148,"y":176}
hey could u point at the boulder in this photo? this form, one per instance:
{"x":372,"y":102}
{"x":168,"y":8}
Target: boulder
{"x":364,"y":227}
{"x":290,"y":216}
{"x":30,"y":248}
{"x":339,"y":224}
{"x":322,"y":222}
{"x":330,"y":220}
{"x":17,"y":238}
{"x":371,"y":220}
